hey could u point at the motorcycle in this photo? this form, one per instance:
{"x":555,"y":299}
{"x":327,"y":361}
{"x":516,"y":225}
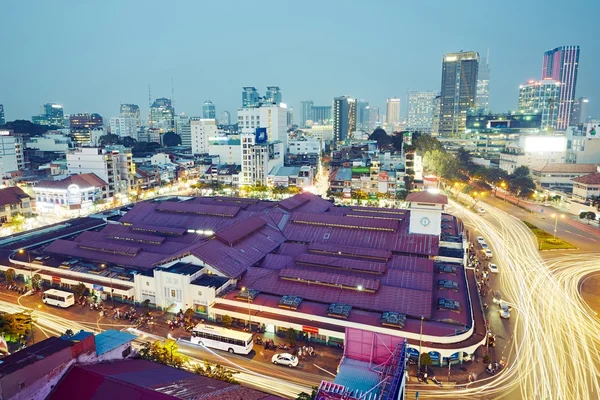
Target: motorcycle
{"x":258,"y":340}
{"x":282,"y":346}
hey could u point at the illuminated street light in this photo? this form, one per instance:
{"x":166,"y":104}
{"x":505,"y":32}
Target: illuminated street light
{"x":245,"y":289}
{"x":555,"y":216}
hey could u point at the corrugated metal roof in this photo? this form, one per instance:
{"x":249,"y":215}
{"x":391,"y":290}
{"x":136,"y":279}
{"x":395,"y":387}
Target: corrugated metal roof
{"x":350,"y":251}
{"x":188,"y":207}
{"x":326,"y":278}
{"x":240,"y":230}
{"x":111,"y":339}
{"x":343,"y":222}
{"x":341,"y":263}
{"x":294,"y":202}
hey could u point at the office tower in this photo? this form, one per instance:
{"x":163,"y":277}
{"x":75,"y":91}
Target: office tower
{"x":131,"y":111}
{"x":435,"y":117}
{"x":341,"y":119}
{"x":580,"y":113}
{"x":482,"y":101}
{"x":181,"y":120}
{"x":459,"y":91}
{"x":271,"y":117}
{"x":201,"y":131}
{"x":208,"y":110}
{"x":393,"y":113}
{"x":307,"y":112}
{"x":374,"y":117}
{"x":541,"y":97}
{"x":11,"y":152}
{"x":124,"y":126}
{"x":82,"y":124}
{"x":250,"y":97}
{"x":322,"y":114}
{"x":162,"y":116}
{"x":290,"y":116}
{"x":52,"y":114}
{"x":362,"y":115}
{"x":273,"y":95}
{"x":561,"y":64}
{"x":351,"y":116}
{"x":225,"y":118}
{"x":2,"y":119}
{"x":420,"y":111}
{"x":185,"y":130}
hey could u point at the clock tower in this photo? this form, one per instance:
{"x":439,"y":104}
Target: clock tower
{"x":426,"y":210}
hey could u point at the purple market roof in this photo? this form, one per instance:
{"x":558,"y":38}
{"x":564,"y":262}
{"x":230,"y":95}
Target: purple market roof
{"x":333,"y":263}
{"x":240,"y":230}
{"x":343,"y":222}
{"x":187,"y":207}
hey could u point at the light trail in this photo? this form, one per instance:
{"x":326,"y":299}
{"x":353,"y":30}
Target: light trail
{"x":555,"y":343}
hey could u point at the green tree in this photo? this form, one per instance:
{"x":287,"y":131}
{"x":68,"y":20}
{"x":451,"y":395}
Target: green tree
{"x":36,"y":280}
{"x":128,"y":141}
{"x":165,"y":353}
{"x":441,"y":164}
{"x":306,"y":396}
{"x":109,"y":139}
{"x":521,"y":186}
{"x":15,"y":326}
{"x":381,"y":137}
{"x":465,"y":162}
{"x":10,"y":276}
{"x":359,"y":195}
{"x":17,"y":222}
{"x":215,"y":371}
{"x":424,"y":143}
{"x":279,"y":191}
{"x":69,"y":333}
{"x":520,"y":172}
{"x":290,"y":335}
{"x":188,"y":315}
{"x":426,"y":360}
{"x":24,"y":126}
{"x":226,"y":320}
{"x":171,"y":139}
{"x":588,"y":215}
{"x":79,"y":290}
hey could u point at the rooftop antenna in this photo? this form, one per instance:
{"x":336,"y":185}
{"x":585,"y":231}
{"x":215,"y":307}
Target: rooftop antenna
{"x":149,"y":96}
{"x":172,"y":93}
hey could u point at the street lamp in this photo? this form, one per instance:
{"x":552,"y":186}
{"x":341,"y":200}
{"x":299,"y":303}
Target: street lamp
{"x":247,"y":290}
{"x":503,"y":185}
{"x":22,"y":251}
{"x":420,"y":347}
{"x":555,"y":216}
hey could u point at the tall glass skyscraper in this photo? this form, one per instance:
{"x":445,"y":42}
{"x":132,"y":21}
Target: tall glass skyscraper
{"x":561,"y":64}
{"x":273,"y":95}
{"x":250,"y":97}
{"x":420,"y":111}
{"x":483,"y":85}
{"x":225,"y":118}
{"x":541,"y":97}
{"x":131,"y":111}
{"x":162,"y":115}
{"x":2,"y":120}
{"x":321,"y":114}
{"x":341,"y":119}
{"x":307,"y":112}
{"x":208,"y":110}
{"x":362,"y":115}
{"x":52,"y":114}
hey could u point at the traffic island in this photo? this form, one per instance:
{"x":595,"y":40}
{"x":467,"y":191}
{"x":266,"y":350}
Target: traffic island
{"x":547,"y":241}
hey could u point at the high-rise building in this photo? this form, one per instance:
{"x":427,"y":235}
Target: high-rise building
{"x":420,"y":111}
{"x":273,"y":95}
{"x":185,"y":130}
{"x":561,"y":64}
{"x":341,"y":119}
{"x":131,"y":111}
{"x":124,"y":126}
{"x":362,"y":115}
{"x":181,"y":121}
{"x":201,"y":131}
{"x":435,"y":119}
{"x":162,"y":115}
{"x":351,"y":116}
{"x":82,"y":124}
{"x":2,"y":120}
{"x":208,"y":110}
{"x":580,"y":113}
{"x":52,"y":114}
{"x":541,"y":97}
{"x":482,"y":101}
{"x":322,"y":114}
{"x":307,"y":112}
{"x":225,"y":118}
{"x":374,"y":117}
{"x":271,"y":117}
{"x":250,"y":97}
{"x":393,"y":113}
{"x":11,"y":152}
{"x":458,"y":92}
{"x":290,"y":116}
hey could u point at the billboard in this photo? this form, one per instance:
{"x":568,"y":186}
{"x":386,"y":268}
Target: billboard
{"x":545,"y":143}
{"x":592,"y":130}
{"x":261,"y":135}
{"x":383,"y":176}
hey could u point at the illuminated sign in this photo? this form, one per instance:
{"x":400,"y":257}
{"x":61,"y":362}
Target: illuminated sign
{"x":545,"y":143}
{"x":591,"y":131}
{"x":261,"y":135}
{"x":310,"y":329}
{"x":4,"y":133}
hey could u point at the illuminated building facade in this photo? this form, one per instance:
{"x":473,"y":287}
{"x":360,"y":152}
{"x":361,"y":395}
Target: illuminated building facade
{"x":561,"y":64}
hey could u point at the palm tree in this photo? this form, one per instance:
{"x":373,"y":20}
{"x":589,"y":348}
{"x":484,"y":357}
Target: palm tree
{"x":10,"y":276}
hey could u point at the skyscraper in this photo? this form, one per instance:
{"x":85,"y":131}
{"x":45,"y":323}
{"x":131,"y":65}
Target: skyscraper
{"x":435,"y":120}
{"x":2,"y":120}
{"x":341,"y":119}
{"x":458,"y":92}
{"x":225,"y":118}
{"x":208,"y":110}
{"x":273,"y":95}
{"x":322,"y":114}
{"x":307,"y":112}
{"x":374,"y":117}
{"x":52,"y":114}
{"x":541,"y":97}
{"x":420,"y":111}
{"x":580,"y":114}
{"x":290,"y":116}
{"x":82,"y":124}
{"x":561,"y":64}
{"x":131,"y":111}
{"x":393,"y":113}
{"x":162,"y":115}
{"x":250,"y":97}
{"x":362,"y":115}
{"x":482,"y":101}
{"x":351,"y":116}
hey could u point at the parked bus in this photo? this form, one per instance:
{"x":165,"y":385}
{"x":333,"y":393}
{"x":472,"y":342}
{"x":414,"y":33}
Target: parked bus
{"x":58,"y":298}
{"x":222,"y":339}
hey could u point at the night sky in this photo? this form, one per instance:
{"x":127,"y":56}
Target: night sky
{"x":91,"y":56}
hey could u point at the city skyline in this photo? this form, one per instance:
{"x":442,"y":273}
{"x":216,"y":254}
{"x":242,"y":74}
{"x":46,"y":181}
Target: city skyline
{"x":26,"y":86}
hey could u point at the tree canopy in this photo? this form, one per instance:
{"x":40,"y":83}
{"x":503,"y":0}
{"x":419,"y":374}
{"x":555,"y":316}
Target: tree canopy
{"x":171,"y":139}
{"x":165,"y":353}
{"x":24,"y":126}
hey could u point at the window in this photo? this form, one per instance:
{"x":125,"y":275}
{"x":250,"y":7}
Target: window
{"x":126,"y":352}
{"x":147,"y":283}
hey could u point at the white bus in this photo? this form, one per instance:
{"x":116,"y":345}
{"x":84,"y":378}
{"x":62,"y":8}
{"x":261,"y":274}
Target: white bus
{"x":58,"y":298}
{"x":222,"y":339}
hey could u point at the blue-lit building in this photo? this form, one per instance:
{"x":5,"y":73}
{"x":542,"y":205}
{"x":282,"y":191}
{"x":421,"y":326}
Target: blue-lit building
{"x":52,"y":114}
{"x":208,"y":110}
{"x":250,"y":97}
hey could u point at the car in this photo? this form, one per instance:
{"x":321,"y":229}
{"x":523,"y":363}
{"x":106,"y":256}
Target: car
{"x":504,"y":310}
{"x":285,"y":359}
{"x":488,"y":253}
{"x":484,"y":245}
{"x":481,"y":211}
{"x":480,"y":239}
{"x":493,"y":268}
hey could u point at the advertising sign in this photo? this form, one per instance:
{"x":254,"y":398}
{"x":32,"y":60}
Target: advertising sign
{"x":261,"y":135}
{"x":383,"y":176}
{"x":592,"y":130}
{"x":310,"y":329}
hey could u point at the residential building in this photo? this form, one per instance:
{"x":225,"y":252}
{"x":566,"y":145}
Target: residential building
{"x":225,"y":118}
{"x":560,"y":176}
{"x":580,"y":113}
{"x":2,"y":118}
{"x":586,"y":186}
{"x":374,"y":117}
{"x":533,"y":150}
{"x":54,"y":141}
{"x":562,"y":64}
{"x":362,"y":116}
{"x":583,"y":143}
{"x":307,"y":112}
{"x":95,"y":135}
{"x":341,"y":119}
{"x":322,"y":133}
{"x":208,"y":110}
{"x":11,"y":152}
{"x":393,"y":114}
{"x":458,"y":92}
{"x":82,"y":124}
{"x":322,"y":114}
{"x":250,"y":97}
{"x":181,"y":120}
{"x":112,"y":164}
{"x":71,"y":196}
{"x":541,"y":97}
{"x":482,"y":102}
{"x":259,"y":157}
{"x":420,"y":111}
{"x":14,"y":201}
{"x":299,"y":177}
{"x":162,"y":115}
{"x":131,"y":111}
{"x":304,"y":146}
{"x":290,"y":116}
{"x":52,"y":114}
{"x":226,"y":174}
{"x":273,"y":95}
{"x":228,"y":149}
{"x":202,"y":131}
{"x":183,"y":125}
{"x":124,"y":126}
{"x":271,"y":118}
